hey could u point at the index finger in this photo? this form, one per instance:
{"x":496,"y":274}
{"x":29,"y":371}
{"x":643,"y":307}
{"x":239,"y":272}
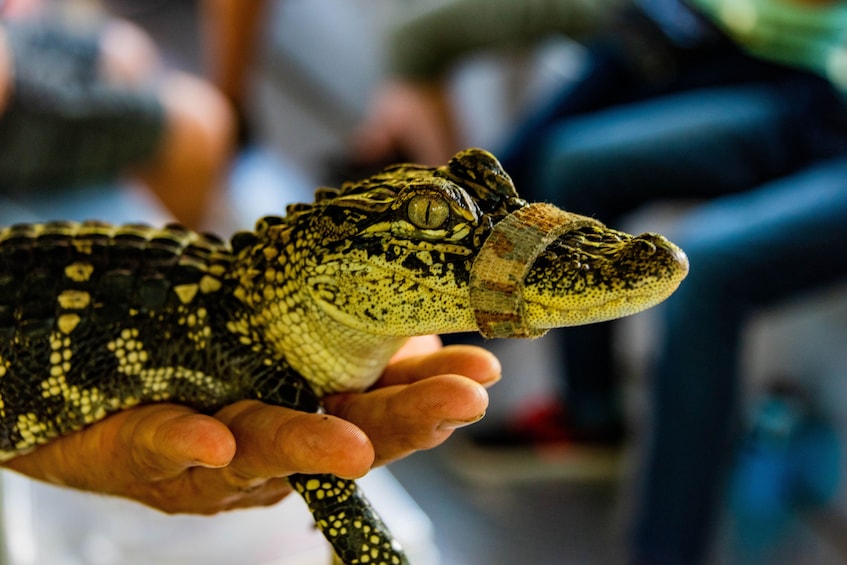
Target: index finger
{"x":274,"y":442}
{"x":417,"y":346}
{"x":470,"y":361}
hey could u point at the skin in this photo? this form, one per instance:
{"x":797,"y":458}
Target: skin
{"x":413,"y":119}
{"x":232,"y":29}
{"x":408,"y":118}
{"x":178,"y":461}
{"x":5,"y":72}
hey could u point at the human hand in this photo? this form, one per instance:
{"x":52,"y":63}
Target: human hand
{"x":409,"y":119}
{"x":425,"y":393}
{"x":174,"y":459}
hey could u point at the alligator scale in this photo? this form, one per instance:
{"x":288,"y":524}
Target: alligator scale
{"x":96,"y":318}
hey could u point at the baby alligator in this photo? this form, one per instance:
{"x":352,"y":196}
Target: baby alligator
{"x":96,"y":318}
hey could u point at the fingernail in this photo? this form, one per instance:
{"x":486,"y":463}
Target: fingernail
{"x":448,"y":425}
{"x":198,"y":463}
{"x":493,"y":381}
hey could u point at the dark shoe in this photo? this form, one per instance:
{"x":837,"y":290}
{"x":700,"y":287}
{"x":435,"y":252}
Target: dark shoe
{"x":547,"y":425}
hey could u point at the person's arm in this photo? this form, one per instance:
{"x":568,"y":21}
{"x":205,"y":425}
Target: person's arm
{"x":231,"y":29}
{"x":171,"y":458}
{"x":425,"y":46}
{"x":5,"y":71}
{"x":410,"y":115}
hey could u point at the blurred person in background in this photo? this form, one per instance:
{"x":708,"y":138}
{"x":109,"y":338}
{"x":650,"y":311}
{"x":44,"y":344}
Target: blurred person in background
{"x":743,"y":107}
{"x":232,"y":31}
{"x":88,"y":102}
{"x":410,"y":116}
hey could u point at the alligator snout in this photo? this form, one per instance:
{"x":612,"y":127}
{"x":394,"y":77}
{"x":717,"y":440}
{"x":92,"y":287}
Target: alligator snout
{"x":543,"y":268}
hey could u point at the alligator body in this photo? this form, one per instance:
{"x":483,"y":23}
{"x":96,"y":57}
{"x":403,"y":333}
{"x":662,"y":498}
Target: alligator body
{"x":96,"y":318}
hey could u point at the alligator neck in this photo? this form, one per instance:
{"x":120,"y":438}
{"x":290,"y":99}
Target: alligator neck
{"x":331,"y":356}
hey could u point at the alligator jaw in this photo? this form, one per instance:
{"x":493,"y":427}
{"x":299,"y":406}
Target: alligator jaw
{"x":633,"y":276}
{"x":542,"y":268}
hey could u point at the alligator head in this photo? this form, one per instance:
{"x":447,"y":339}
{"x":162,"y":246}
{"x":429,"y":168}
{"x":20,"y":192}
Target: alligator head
{"x":415,"y":250}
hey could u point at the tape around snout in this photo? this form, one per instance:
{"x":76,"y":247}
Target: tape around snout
{"x":498,"y":273}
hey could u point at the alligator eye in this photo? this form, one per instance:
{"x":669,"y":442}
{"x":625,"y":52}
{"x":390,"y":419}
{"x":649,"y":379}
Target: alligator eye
{"x":428,"y":211}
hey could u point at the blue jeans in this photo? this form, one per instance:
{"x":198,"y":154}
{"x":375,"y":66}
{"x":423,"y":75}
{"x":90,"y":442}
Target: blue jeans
{"x":689,"y":144}
{"x":770,"y":160}
{"x":747,"y":251}
{"x":591,"y":145}
{"x":611,"y":78}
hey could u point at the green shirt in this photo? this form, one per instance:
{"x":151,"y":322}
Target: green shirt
{"x":425,"y":46}
{"x":812,"y":37}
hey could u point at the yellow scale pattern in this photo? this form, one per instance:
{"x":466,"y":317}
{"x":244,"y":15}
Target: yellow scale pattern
{"x":374,"y":549}
{"x":316,"y":302}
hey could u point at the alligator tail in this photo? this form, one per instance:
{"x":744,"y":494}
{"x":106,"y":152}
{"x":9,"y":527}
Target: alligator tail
{"x":348,"y":521}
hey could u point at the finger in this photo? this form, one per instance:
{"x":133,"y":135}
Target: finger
{"x":276,"y":442}
{"x":417,"y":346}
{"x":403,"y":419}
{"x":162,"y":440}
{"x":470,"y":361}
{"x":140,"y":445}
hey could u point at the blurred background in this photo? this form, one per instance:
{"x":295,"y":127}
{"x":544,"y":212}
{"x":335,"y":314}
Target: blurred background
{"x":313,"y":80}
